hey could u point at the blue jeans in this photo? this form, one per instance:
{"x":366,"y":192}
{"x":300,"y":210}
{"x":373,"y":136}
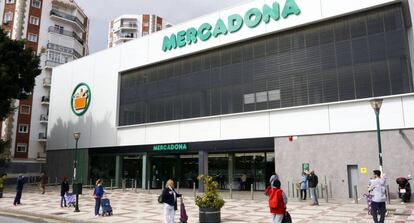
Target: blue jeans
{"x":314,"y":195}
{"x":62,"y":200}
{"x":97,"y":205}
{"x":378,"y":208}
{"x":18,"y":197}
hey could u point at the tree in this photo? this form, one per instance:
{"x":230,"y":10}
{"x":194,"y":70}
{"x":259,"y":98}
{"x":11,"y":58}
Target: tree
{"x":19,"y":67}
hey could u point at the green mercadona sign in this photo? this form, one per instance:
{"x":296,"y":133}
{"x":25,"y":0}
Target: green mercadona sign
{"x":170,"y":147}
{"x":252,"y":18}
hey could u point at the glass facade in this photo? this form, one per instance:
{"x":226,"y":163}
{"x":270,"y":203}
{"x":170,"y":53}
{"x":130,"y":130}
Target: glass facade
{"x":358,"y":56}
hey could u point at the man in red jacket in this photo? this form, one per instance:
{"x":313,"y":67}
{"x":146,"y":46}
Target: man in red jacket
{"x":276,"y":203}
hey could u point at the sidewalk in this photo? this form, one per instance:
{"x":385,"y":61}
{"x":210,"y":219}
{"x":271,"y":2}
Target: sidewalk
{"x":143,"y":207}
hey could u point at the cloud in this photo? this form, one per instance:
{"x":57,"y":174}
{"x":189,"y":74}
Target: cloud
{"x":101,"y":12}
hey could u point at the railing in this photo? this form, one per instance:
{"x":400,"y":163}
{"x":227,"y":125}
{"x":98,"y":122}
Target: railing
{"x":66,"y":33}
{"x":45,"y":99}
{"x":129,"y":25}
{"x":42,"y":135}
{"x":63,"y":49}
{"x":44,"y":118}
{"x":68,"y":17}
{"x":47,"y":81}
{"x":50,"y":63}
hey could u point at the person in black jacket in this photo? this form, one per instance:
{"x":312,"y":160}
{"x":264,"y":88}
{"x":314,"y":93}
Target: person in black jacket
{"x":312,"y":184}
{"x":64,"y":188}
{"x":19,"y":190}
{"x":169,"y":199}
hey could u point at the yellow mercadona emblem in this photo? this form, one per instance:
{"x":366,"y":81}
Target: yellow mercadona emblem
{"x":81,"y":98}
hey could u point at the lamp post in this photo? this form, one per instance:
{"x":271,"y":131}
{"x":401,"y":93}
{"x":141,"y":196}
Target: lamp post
{"x":376,"y":105}
{"x":75,"y":186}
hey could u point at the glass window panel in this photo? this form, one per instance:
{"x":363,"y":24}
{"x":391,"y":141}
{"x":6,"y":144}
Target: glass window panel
{"x":249,"y":98}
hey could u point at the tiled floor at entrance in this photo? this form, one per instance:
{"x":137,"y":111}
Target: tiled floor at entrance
{"x":142,"y":207}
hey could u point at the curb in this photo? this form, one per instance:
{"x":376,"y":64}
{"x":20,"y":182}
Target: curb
{"x":36,"y":216}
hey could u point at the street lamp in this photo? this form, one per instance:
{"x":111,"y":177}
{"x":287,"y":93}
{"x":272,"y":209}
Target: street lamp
{"x":376,"y":105}
{"x":75,"y":186}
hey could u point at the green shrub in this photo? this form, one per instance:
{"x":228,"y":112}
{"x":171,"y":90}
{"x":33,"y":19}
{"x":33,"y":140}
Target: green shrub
{"x":210,"y":198}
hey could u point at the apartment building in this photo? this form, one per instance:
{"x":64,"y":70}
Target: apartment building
{"x":58,"y":31}
{"x":129,"y":27}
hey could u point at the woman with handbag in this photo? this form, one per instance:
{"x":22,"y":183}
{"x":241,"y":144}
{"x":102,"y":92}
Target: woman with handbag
{"x":169,"y":199}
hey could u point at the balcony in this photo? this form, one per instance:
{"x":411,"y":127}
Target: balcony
{"x":68,"y":17}
{"x":41,"y":156}
{"x":64,"y":49}
{"x":132,"y":26}
{"x":45,"y":100}
{"x":44,"y":119}
{"x":47,"y":82}
{"x":51,"y":64}
{"x":72,"y":34}
{"x":126,"y":36}
{"x":42,"y":137}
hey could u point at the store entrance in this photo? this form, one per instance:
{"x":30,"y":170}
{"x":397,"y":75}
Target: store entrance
{"x":132,"y":170}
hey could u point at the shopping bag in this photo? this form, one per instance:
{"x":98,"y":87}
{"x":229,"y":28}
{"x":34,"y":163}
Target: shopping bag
{"x":183,"y":213}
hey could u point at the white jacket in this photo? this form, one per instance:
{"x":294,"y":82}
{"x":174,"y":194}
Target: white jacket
{"x":377,"y":189}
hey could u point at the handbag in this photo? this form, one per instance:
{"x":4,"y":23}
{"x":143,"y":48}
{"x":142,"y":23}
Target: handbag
{"x":286,"y":218}
{"x":183,"y":213}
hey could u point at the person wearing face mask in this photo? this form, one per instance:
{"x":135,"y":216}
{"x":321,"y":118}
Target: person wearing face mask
{"x":169,"y":199}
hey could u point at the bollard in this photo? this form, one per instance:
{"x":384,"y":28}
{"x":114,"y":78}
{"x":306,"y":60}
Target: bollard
{"x":194,"y":189}
{"x":355,"y":194}
{"x":111,"y":185}
{"x":326,"y":190}
{"x":299,"y":195}
{"x":330,"y":189}
{"x":251,"y":191}
{"x":149,"y":187}
{"x":321,"y":191}
{"x":293,"y":190}
{"x":135,"y":186}
{"x":231,"y":191}
{"x":56,"y":181}
{"x":123,"y":185}
{"x":178,"y":186}
{"x":288,"y":187}
{"x":388,"y":194}
{"x":162,"y":185}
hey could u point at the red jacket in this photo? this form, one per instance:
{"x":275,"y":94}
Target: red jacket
{"x":276,"y":204}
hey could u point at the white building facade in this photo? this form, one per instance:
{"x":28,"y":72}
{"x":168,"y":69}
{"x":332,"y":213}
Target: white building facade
{"x":223,"y":93}
{"x":130,"y":27}
{"x":58,"y":31}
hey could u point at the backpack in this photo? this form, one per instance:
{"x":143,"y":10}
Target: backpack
{"x":160,"y":200}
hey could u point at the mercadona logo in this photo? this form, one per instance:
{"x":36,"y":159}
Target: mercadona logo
{"x":81,"y":98}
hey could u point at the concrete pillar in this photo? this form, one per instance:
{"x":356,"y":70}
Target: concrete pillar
{"x":118,"y":170}
{"x":144,"y":171}
{"x":231,"y":169}
{"x":202,"y":167}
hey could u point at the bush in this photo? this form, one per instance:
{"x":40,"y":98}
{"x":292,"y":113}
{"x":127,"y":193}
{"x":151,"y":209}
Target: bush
{"x":210,"y":198}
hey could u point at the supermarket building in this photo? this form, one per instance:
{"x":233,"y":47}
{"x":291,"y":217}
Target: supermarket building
{"x":223,"y":95}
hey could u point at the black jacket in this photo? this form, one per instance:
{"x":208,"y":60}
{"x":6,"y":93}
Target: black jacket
{"x":313,"y":181}
{"x":64,"y":187}
{"x":19,"y":184}
{"x":168,"y":197}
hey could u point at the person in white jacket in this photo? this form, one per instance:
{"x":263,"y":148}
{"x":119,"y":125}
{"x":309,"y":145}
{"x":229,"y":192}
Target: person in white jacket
{"x":377,"y":189}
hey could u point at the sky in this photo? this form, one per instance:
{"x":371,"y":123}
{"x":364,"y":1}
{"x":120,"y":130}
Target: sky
{"x":101,"y":12}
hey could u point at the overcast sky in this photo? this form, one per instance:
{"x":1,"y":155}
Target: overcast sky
{"x":100,"y":12}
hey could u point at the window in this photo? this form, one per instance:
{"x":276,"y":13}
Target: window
{"x":9,"y":1}
{"x":8,"y":16}
{"x":23,"y":128}
{"x":34,"y":20}
{"x":59,"y":28}
{"x":32,"y":37}
{"x":347,"y":58}
{"x":21,"y":148}
{"x":25,"y":110}
{"x":36,"y":4}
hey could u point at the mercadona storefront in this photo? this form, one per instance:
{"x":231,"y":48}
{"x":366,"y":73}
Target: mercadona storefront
{"x":263,"y":86}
